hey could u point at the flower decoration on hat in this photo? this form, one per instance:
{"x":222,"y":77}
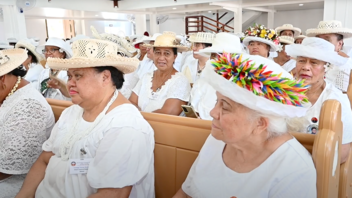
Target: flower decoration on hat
{"x":262,"y":32}
{"x":3,"y":58}
{"x":262,"y":83}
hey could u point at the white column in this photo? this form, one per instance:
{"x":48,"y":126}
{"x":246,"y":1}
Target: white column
{"x":141,"y":24}
{"x":270,"y":21}
{"x":237,"y":22}
{"x":154,"y":27}
{"x":339,"y":10}
{"x":14,"y":22}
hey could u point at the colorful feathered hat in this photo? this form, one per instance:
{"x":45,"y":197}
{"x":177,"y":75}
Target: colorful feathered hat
{"x":257,"y":83}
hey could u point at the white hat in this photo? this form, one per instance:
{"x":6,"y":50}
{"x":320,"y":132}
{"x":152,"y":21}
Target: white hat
{"x":316,"y":48}
{"x":63,"y":45}
{"x":261,"y":34}
{"x":286,"y":39}
{"x":328,"y":27}
{"x":94,"y":53}
{"x":141,"y":40}
{"x":12,"y":40}
{"x":296,"y":30}
{"x":223,"y":42}
{"x":5,"y":45}
{"x":300,"y":37}
{"x":266,"y":88}
{"x":11,"y":59}
{"x":30,"y":45}
{"x":153,"y":38}
{"x":202,"y":37}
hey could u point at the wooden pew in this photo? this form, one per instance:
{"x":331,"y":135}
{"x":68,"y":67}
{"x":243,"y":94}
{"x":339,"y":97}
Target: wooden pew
{"x":178,"y":141}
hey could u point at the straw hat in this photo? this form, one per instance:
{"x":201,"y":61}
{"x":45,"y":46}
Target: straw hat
{"x":286,"y":39}
{"x":94,"y":53}
{"x":297,"y":31}
{"x":30,"y":45}
{"x":328,"y":27}
{"x":257,"y":83}
{"x":168,"y":39}
{"x":10,"y":59}
{"x":316,"y":48}
{"x":5,"y":45}
{"x":202,"y":37}
{"x":223,"y":42}
{"x":300,"y":37}
{"x":261,"y":34}
{"x":78,"y":37}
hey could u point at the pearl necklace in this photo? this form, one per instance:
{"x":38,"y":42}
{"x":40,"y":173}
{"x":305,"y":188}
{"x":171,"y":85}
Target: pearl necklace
{"x":15,"y":87}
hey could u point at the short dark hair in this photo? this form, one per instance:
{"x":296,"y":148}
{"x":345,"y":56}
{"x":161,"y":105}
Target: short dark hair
{"x":207,"y":45}
{"x":339,"y":37}
{"x":293,"y":32}
{"x":19,"y":71}
{"x":116,"y":75}
{"x":34,"y":58}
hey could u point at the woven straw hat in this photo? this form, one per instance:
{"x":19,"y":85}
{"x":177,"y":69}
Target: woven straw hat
{"x":94,"y":53}
{"x":300,"y":37}
{"x":286,"y":39}
{"x":30,"y":45}
{"x":297,"y":31}
{"x":316,"y":48}
{"x":328,"y":27}
{"x":10,"y":59}
{"x":202,"y":37}
{"x":168,"y":39}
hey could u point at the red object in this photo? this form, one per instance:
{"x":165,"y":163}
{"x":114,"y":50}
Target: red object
{"x":136,"y":46}
{"x":146,"y":33}
{"x":314,"y":120}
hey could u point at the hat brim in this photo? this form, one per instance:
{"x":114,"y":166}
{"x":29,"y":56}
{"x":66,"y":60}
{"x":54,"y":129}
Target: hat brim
{"x":125,"y":65}
{"x":180,"y":48}
{"x":248,"y":39}
{"x":207,"y":51}
{"x":249,"y":99}
{"x":6,"y":47}
{"x":296,"y":31}
{"x":31,"y":48}
{"x":346,"y":33}
{"x":296,"y":50}
{"x":17,"y":57}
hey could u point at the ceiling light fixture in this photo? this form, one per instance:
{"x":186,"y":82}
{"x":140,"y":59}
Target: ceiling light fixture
{"x":96,"y":15}
{"x":301,"y":4}
{"x":174,"y":8}
{"x":209,"y":11}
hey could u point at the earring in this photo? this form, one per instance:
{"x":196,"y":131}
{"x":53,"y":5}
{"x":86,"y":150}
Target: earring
{"x":3,"y":86}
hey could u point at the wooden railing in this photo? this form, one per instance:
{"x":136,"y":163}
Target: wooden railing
{"x":196,"y":24}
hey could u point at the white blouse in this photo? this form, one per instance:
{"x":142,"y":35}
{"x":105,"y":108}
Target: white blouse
{"x":26,"y":120}
{"x":33,"y":72}
{"x":190,"y":70}
{"x":203,"y":98}
{"x":177,"y":87}
{"x":289,"y":65}
{"x":121,"y":149}
{"x":289,"y":172}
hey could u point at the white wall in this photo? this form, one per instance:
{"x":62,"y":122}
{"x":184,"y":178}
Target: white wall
{"x":2,"y":32}
{"x":36,"y":28}
{"x":176,"y":25}
{"x":100,"y":26}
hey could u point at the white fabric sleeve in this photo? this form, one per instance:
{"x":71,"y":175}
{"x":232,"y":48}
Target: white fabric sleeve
{"x":292,"y":185}
{"x":179,"y":89}
{"x":187,"y":185}
{"x":130,"y":82}
{"x":25,"y":131}
{"x":138,"y":86}
{"x":123,"y":158}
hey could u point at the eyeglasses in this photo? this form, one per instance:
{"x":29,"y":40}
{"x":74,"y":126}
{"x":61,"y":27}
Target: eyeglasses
{"x":52,"y":51}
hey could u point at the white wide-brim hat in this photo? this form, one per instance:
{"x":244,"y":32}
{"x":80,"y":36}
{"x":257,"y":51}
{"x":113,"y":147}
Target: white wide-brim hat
{"x":202,"y":37}
{"x":246,"y":40}
{"x":141,"y":40}
{"x":223,"y":42}
{"x":57,"y":42}
{"x":153,"y":38}
{"x":10,"y":59}
{"x":5,"y":45}
{"x":30,"y":45}
{"x":297,"y":31}
{"x":168,"y":39}
{"x":94,"y":53}
{"x":329,"y":27}
{"x":316,"y":48}
{"x":286,"y":39}
{"x":248,"y":98}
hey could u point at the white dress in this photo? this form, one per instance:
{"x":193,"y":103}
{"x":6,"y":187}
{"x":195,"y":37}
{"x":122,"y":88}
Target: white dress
{"x":51,"y":93}
{"x":330,"y":92}
{"x":190,"y":70}
{"x":287,"y":173}
{"x":26,"y":120}
{"x":120,"y":146}
{"x":177,"y":87}
{"x":33,"y":73}
{"x":289,"y":65}
{"x":203,"y":98}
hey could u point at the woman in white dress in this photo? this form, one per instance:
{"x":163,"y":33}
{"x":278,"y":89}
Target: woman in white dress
{"x":260,"y":40}
{"x":32,"y":64}
{"x":51,"y":83}
{"x":26,"y":120}
{"x":250,"y":152}
{"x":203,"y":96}
{"x":285,"y":61}
{"x":193,"y":67}
{"x":313,"y":56}
{"x":166,"y":89}
{"x":101,"y":146}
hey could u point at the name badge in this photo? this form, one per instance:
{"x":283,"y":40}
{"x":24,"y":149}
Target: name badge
{"x":79,"y":166}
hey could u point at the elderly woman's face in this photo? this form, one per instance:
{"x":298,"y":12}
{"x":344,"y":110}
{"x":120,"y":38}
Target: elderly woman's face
{"x":232,"y":121}
{"x":164,"y":58}
{"x":53,"y":52}
{"x":85,"y":85}
{"x":258,"y":48}
{"x":311,"y":70}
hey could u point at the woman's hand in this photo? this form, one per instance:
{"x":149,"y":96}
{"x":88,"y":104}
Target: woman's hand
{"x":57,"y":83}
